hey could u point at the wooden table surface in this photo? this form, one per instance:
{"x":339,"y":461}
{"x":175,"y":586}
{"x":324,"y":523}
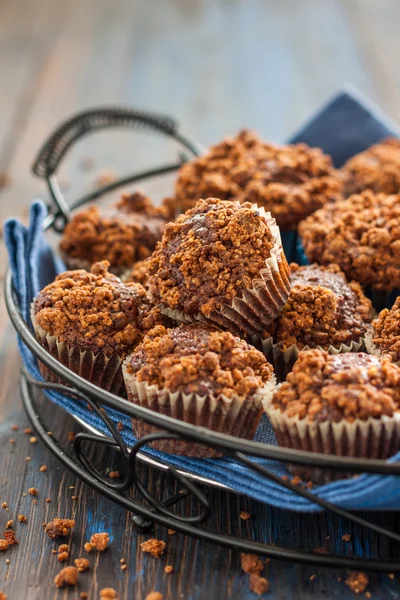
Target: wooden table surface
{"x":217,"y":65}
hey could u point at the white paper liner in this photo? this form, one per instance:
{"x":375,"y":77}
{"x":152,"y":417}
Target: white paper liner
{"x":259,"y":305}
{"x":104,"y":371}
{"x":372,"y":438}
{"x":232,"y":416}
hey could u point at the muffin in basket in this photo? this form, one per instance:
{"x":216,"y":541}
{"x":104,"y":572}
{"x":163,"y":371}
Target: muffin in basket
{"x":200,"y":375}
{"x":324,"y":311}
{"x":90,"y":321}
{"x":221,"y":262}
{"x":376,"y":169}
{"x":122,"y":234}
{"x":290,"y":181}
{"x":343,"y":404}
{"x":385,"y":336}
{"x":361,"y":234}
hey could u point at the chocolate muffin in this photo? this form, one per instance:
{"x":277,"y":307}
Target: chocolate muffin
{"x":376,"y":169}
{"x":202,"y":376}
{"x":323,"y":310}
{"x":122,"y":234}
{"x":386,"y":333}
{"x":139,"y":273}
{"x":90,"y":321}
{"x":344,"y":404}
{"x":222,"y":262}
{"x":289,"y":181}
{"x":361,"y":234}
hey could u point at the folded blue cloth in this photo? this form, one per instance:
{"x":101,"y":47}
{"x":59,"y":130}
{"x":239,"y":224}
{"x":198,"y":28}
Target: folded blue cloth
{"x":34,"y":264}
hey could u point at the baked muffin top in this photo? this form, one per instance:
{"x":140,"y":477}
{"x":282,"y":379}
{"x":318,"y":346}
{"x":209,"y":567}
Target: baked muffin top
{"x":210,"y":255}
{"x":121,"y":234}
{"x":95,"y":311}
{"x":323,"y":309}
{"x":199,"y":358}
{"x":139,"y":273}
{"x":386,"y":335}
{"x":376,"y":169}
{"x":324,"y":387}
{"x":361,"y":234}
{"x":289,"y":181}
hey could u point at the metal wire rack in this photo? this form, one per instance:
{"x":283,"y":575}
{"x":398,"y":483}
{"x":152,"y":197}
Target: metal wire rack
{"x":152,"y":510}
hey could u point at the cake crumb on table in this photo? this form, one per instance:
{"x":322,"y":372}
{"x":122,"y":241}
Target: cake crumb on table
{"x":9,"y":536}
{"x":312,"y":577}
{"x":59,"y":527}
{"x":99,"y":541}
{"x":391,"y":575}
{"x":258,"y":585}
{"x":3,"y":596}
{"x":171,"y":531}
{"x":15,"y":427}
{"x":43,"y":469}
{"x":33,"y":440}
{"x":9,"y":524}
{"x":168,"y":569}
{"x":32,"y":491}
{"x":82,"y":564}
{"x":153,"y":546}
{"x":357,"y":581}
{"x":84,"y":595}
{"x":22,"y":518}
{"x":28,"y":431}
{"x":368,"y":595}
{"x":346,"y":537}
{"x":88,"y":547}
{"x":48,"y":500}
{"x":108,"y":594}
{"x":251,"y":563}
{"x":4,"y":505}
{"x":245,"y":516}
{"x":67,"y":576}
{"x":63,"y":556}
{"x":3,"y":545}
{"x":63,"y":548}
{"x":154,"y":596}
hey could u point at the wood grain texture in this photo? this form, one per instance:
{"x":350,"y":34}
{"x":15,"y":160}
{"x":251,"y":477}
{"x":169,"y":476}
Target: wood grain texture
{"x":217,"y":66}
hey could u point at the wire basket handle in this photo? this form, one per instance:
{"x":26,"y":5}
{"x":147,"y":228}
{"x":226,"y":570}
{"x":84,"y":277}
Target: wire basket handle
{"x":60,"y":141}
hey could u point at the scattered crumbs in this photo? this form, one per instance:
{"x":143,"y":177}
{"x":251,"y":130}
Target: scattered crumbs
{"x":3,"y":596}
{"x":28,"y":458}
{"x":171,"y":531}
{"x":105,"y":178}
{"x":339,"y":579}
{"x":3,"y":545}
{"x":153,"y":546}
{"x":321,"y":550}
{"x":82,"y":564}
{"x":285,"y":478}
{"x":312,"y":577}
{"x":108,"y":594}
{"x":83,"y":595}
{"x":168,"y":569}
{"x":251,"y":563}
{"x":346,"y":537}
{"x":59,"y":527}
{"x":32,"y":491}
{"x":154,"y":596}
{"x":48,"y":500}
{"x":368,"y":595}
{"x":267,"y":560}
{"x":28,"y":431}
{"x":12,"y":441}
{"x":24,"y":494}
{"x":4,"y":505}
{"x":391,"y":575}
{"x":33,"y":440}
{"x":120,"y":426}
{"x":22,"y":518}
{"x":357,"y":581}
{"x":89,"y":406}
{"x":43,"y":469}
{"x":122,"y":560}
{"x":74,"y":497}
{"x":88,"y":547}
{"x":328,"y":537}
{"x":114,"y":474}
{"x":71,"y":487}
{"x":15,"y":427}
{"x":100,"y":541}
{"x":123,"y":567}
{"x":7,"y":563}
{"x":71,"y":436}
{"x":54,"y":551}
{"x":49,"y":433}
{"x":309,"y":485}
{"x":62,"y":556}
{"x":67,"y":576}
{"x":9,"y":536}
{"x":9,"y":524}
{"x":63,"y":548}
{"x":34,"y":501}
{"x":245,"y":516}
{"x":296,"y":480}
{"x":258,"y":585}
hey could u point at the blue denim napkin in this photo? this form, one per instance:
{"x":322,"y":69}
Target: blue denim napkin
{"x":34,"y":264}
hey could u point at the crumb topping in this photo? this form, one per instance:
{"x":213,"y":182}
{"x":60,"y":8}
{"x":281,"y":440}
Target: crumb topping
{"x":198,"y":358}
{"x":139,"y":273}
{"x":361,"y":234}
{"x":387,"y":331}
{"x":323,"y":309}
{"x":289,"y":181}
{"x":349,"y":386}
{"x":67,"y":576}
{"x":59,"y":528}
{"x":210,"y":255}
{"x":376,"y":169}
{"x":122,"y":234}
{"x":153,"y":546}
{"x":96,"y":311}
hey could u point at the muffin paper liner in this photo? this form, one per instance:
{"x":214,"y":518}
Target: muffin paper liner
{"x":283,"y":361}
{"x":372,"y":438}
{"x":234,"y":416}
{"x":104,"y":371}
{"x":258,"y":305}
